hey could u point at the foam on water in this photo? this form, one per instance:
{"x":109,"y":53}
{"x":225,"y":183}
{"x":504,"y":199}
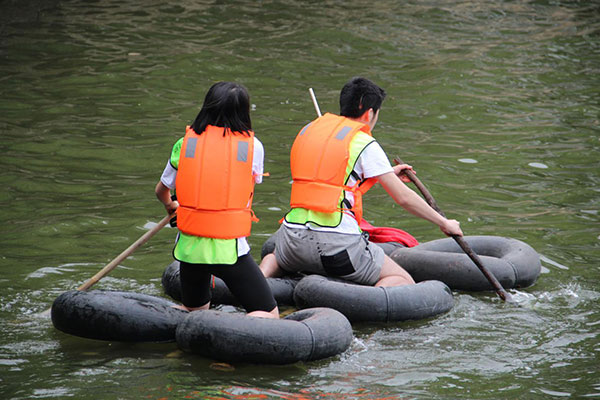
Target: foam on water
{"x":45,"y":271}
{"x":537,"y":165}
{"x":545,"y":259}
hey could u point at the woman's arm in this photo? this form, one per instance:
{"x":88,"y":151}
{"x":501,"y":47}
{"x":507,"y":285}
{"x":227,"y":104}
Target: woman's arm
{"x":163,"y":194}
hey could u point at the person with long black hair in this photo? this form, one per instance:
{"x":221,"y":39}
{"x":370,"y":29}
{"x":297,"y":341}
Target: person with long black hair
{"x":213,"y":169}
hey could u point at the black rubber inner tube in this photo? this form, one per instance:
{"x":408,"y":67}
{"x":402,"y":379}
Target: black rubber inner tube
{"x":375,"y":304}
{"x":514,"y":263}
{"x":282,"y":288}
{"x":116,"y":316}
{"x":306,"y":335}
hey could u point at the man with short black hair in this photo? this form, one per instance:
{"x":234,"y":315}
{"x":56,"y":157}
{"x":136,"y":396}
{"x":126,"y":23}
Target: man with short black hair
{"x":334,"y":161}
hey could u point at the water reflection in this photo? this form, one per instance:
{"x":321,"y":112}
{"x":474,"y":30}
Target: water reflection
{"x":494,"y":103}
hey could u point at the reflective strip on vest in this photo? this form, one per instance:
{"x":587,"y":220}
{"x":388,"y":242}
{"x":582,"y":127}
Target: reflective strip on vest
{"x":215,"y":184}
{"x":190,"y":149}
{"x":343,"y":132}
{"x":242,"y":151}
{"x":304,"y":129}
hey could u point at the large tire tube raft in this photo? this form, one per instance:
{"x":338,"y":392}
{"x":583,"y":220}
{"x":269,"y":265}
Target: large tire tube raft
{"x":305,"y":335}
{"x":268,"y":246}
{"x":375,"y":304}
{"x":514,"y":263}
{"x":282,"y":288}
{"x":116,"y":316}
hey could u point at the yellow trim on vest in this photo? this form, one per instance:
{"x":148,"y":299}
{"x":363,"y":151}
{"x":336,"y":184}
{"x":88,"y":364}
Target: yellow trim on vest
{"x":303,"y":216}
{"x":201,"y":250}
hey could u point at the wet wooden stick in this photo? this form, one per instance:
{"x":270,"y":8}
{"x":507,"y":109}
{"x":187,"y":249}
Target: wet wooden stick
{"x":504,"y":295}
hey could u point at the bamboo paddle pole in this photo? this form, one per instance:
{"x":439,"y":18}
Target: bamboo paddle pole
{"x":504,"y":295}
{"x":117,"y":260}
{"x":314,"y":100}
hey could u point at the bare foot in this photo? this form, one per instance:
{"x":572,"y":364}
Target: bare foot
{"x":190,"y":309}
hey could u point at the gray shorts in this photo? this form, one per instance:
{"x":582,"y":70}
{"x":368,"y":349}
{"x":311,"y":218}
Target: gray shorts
{"x":351,"y":257}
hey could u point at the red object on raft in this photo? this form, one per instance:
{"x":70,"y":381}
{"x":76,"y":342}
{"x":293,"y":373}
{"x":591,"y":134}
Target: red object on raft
{"x":382,"y":234}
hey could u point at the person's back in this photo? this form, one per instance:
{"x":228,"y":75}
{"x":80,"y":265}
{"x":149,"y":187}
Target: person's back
{"x":213,"y":169}
{"x":325,"y":188}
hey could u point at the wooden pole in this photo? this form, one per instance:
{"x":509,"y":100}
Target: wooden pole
{"x":504,"y":295}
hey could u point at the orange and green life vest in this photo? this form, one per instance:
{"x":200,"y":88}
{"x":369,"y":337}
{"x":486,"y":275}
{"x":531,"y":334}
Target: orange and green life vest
{"x":215,"y":184}
{"x":321,"y":164}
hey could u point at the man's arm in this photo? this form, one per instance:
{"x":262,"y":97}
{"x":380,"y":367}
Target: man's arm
{"x":413,"y":203}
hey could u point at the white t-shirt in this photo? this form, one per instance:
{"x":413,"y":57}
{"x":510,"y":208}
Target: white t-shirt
{"x":169,"y":176}
{"x":372,"y":162}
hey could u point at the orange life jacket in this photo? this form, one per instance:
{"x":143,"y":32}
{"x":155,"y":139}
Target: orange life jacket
{"x":215,"y":184}
{"x":318,"y":160}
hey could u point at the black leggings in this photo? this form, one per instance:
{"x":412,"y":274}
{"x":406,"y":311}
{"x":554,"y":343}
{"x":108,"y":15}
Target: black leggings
{"x":244,"y":279}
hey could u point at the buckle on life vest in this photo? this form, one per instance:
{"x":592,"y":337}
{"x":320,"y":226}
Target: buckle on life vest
{"x":345,"y":206}
{"x":357,"y":193}
{"x":253,"y":216}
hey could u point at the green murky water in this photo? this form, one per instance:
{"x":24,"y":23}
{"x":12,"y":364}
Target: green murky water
{"x":495,"y":103}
